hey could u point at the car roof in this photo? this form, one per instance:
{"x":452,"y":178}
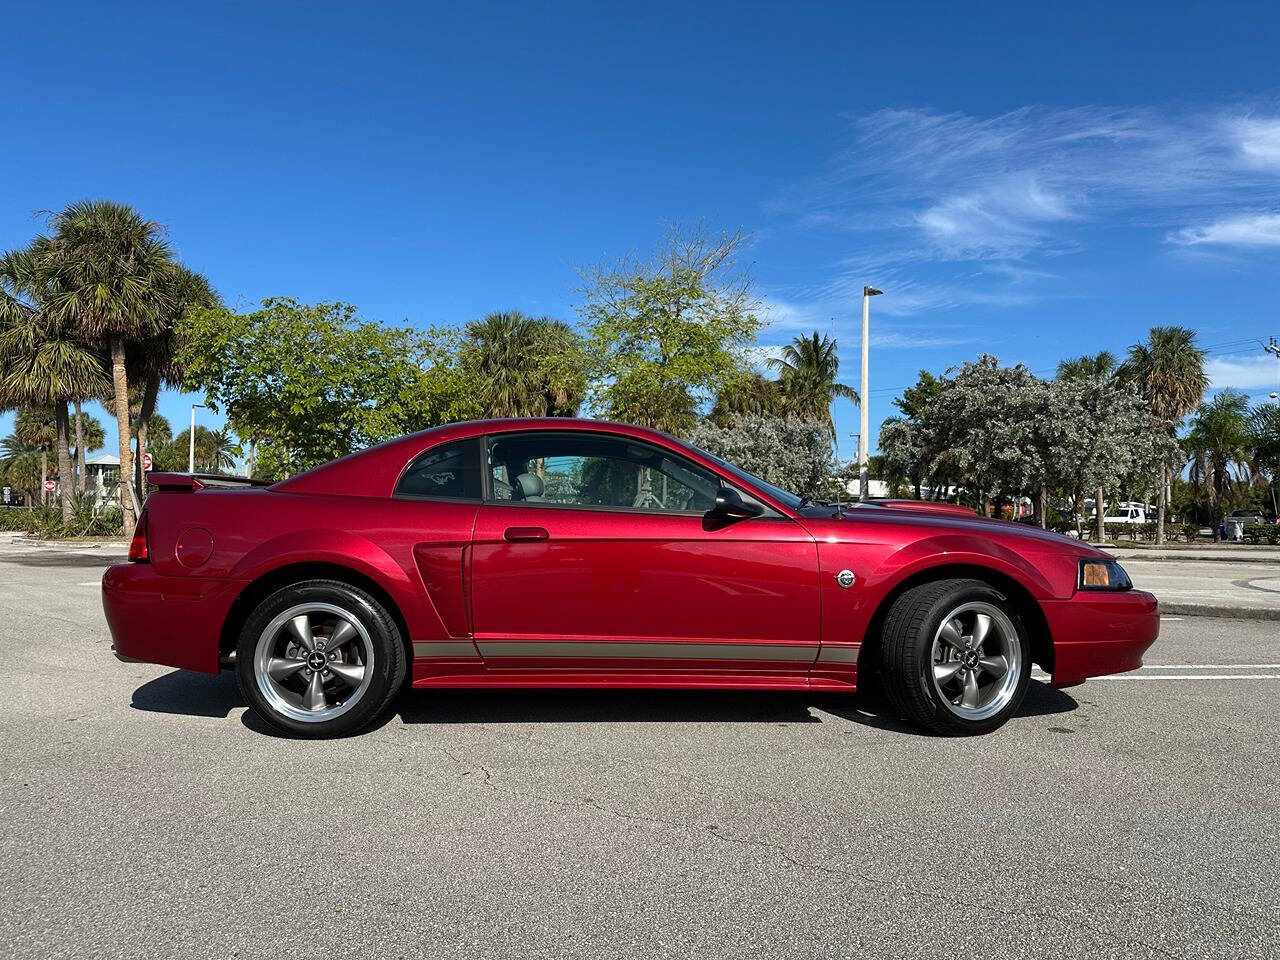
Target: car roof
{"x":374,"y":472}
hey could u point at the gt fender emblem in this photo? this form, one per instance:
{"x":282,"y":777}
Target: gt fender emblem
{"x":846,"y":578}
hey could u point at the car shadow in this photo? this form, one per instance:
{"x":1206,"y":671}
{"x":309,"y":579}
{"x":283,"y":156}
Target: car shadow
{"x":200,"y":695}
{"x":605,"y":706}
{"x":871,"y":709}
{"x":190,"y":694}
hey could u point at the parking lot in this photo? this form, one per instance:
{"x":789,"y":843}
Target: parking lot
{"x":147,"y":815}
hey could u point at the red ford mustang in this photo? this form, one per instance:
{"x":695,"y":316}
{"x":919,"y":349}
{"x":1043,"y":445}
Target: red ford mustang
{"x":572,"y":553}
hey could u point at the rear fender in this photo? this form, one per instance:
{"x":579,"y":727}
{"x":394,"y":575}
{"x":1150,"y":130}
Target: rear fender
{"x":354,"y":552}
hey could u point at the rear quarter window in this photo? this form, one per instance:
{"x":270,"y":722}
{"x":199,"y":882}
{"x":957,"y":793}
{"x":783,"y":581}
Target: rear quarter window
{"x":448,"y":472}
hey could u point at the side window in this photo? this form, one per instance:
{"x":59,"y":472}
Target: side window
{"x":588,"y":470}
{"x":451,"y":471}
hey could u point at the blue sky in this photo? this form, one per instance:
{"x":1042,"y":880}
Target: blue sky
{"x":1032,"y":184}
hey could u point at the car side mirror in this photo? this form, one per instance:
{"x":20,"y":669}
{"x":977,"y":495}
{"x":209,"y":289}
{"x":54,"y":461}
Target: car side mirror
{"x":731,"y":506}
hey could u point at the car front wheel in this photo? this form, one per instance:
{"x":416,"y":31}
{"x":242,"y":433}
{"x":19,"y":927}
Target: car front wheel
{"x":955,"y":656}
{"x":319,"y":658}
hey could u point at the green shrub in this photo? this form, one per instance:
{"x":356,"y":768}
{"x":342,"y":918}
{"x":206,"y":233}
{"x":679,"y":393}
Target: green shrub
{"x":17,"y":519}
{"x":46,"y":522}
{"x":1268,"y":534}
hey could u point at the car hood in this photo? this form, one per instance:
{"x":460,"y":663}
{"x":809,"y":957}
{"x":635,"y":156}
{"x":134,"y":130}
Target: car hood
{"x":928,"y":518}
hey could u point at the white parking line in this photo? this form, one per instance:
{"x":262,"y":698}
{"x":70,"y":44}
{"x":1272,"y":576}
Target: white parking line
{"x":1196,"y":676}
{"x":1210,"y":666}
{"x":1170,"y":619}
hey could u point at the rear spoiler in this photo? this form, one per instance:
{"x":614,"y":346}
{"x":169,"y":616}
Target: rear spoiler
{"x":199,"y":481}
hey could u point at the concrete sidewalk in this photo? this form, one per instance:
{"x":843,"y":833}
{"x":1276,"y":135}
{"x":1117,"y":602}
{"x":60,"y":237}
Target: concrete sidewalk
{"x":1229,"y":552}
{"x":1211,"y":588}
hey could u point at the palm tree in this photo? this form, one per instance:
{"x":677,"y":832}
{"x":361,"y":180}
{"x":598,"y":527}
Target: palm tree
{"x":1169,"y":370}
{"x":153,"y":360}
{"x":46,"y":365}
{"x":89,"y":435}
{"x":1264,"y":423}
{"x":747,"y":394}
{"x":108,"y":278}
{"x":36,"y":431}
{"x":525,"y":367}
{"x":1220,"y":435}
{"x":1100,"y":367}
{"x":807,"y":378}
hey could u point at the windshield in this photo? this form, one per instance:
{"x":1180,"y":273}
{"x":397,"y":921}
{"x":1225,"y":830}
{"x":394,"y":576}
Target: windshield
{"x":786,"y":497}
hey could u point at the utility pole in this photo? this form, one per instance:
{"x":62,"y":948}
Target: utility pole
{"x":864,"y":398}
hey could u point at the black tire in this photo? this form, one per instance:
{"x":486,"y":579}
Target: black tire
{"x":907,"y":657}
{"x":373,"y":627}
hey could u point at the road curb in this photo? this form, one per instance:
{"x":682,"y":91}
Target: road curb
{"x":1223,"y":611}
{"x":1172,"y":558}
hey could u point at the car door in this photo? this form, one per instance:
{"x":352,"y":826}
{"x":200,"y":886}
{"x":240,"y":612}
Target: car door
{"x":594,"y":551}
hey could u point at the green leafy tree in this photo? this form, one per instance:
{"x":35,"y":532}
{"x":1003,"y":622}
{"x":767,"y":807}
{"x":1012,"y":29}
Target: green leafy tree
{"x":905,"y":443}
{"x":1169,"y":370}
{"x":310,"y":383}
{"x":808,"y":368}
{"x":667,"y":332}
{"x":524,"y":366}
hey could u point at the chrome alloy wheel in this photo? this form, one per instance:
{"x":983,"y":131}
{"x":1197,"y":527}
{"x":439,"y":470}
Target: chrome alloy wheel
{"x":976,"y":660}
{"x":313,"y":662}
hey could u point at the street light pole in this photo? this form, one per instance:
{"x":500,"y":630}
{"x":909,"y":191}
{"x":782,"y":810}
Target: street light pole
{"x":191,"y":438}
{"x":863,"y":397}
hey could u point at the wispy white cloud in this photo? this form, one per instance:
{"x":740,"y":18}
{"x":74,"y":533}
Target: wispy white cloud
{"x":843,"y":320}
{"x":981,"y":188}
{"x":1243,"y":230}
{"x":1257,"y":371}
{"x":916,"y":188}
{"x":1258,"y":140}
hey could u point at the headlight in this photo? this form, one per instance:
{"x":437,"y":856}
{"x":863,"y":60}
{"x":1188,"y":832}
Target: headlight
{"x":1103,"y":575}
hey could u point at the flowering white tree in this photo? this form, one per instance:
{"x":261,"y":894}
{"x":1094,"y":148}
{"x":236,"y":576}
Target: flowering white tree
{"x":790,"y":453}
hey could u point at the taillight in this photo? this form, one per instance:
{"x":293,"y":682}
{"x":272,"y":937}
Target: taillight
{"x":138,"y":552}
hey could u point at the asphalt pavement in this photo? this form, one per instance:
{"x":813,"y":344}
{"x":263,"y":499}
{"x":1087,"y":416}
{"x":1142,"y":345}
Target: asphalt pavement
{"x":147,"y":814}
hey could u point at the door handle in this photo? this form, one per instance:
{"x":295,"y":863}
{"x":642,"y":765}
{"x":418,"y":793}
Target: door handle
{"x":520,"y":534}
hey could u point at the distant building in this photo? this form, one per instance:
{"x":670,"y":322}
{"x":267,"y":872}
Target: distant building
{"x":102,"y":479}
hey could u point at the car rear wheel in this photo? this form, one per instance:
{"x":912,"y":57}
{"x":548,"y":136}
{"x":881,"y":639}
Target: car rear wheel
{"x":955,"y":657}
{"x":320,"y":658}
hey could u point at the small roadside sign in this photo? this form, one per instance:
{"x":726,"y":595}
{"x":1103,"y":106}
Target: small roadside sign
{"x":49,"y":485}
{"x":8,"y":493}
{"x":146,"y":462}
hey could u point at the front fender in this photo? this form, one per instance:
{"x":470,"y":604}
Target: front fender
{"x":962,"y":550}
{"x":883,"y":564}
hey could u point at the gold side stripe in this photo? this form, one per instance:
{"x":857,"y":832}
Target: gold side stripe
{"x":454,"y":648}
{"x":613,"y":650}
{"x":839,"y":654}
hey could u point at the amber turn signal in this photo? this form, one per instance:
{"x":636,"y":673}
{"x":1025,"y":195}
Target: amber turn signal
{"x":1103,"y":575}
